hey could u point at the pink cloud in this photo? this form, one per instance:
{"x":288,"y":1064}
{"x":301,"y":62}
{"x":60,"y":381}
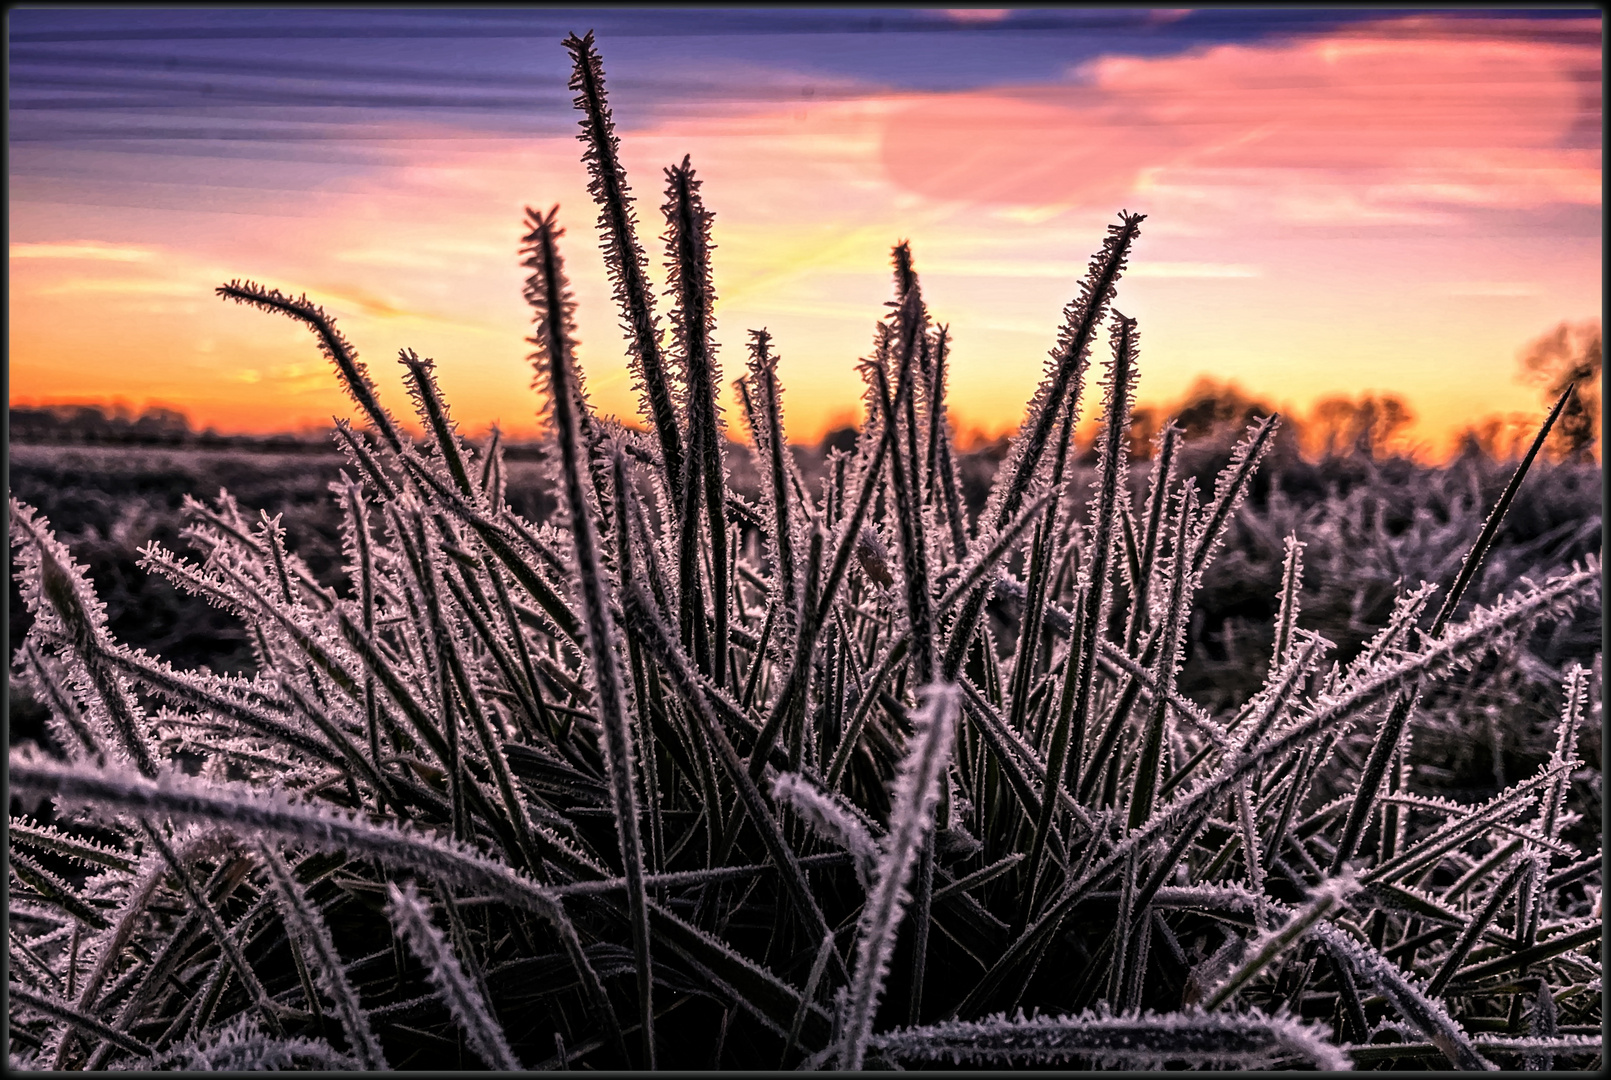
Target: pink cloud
{"x":976,"y":15}
{"x":1405,"y":113}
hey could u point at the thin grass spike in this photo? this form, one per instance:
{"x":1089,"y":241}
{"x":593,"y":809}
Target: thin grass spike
{"x":688,"y":261}
{"x":624,"y":258}
{"x":922,"y":772}
{"x":554,"y":340}
{"x":470,"y":1008}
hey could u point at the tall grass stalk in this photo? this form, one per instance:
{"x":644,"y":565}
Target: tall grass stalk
{"x":549,"y":295}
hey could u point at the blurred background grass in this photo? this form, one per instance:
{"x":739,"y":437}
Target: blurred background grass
{"x":1372,"y":521}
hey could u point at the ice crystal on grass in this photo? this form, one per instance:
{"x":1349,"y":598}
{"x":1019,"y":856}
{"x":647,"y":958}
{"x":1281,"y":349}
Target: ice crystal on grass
{"x":716,"y":767}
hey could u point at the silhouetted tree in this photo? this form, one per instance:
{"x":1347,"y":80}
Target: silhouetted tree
{"x":1340,"y":425}
{"x":1214,"y":408}
{"x":1569,"y":354}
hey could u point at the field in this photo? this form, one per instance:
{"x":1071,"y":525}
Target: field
{"x":677,"y":746}
{"x":1368,"y":525}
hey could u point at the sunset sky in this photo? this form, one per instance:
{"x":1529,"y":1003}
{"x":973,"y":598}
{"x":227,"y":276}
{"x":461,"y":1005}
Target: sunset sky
{"x":1338,"y":201}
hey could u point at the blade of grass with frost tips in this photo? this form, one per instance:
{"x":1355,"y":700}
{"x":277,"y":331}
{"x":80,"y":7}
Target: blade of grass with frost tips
{"x":644,"y":723}
{"x":357,"y":540}
{"x":207,"y":693}
{"x":1022,"y":764}
{"x":491,"y":749}
{"x":60,"y":1010}
{"x":984,"y":556}
{"x":107,"y":949}
{"x":475,"y":608}
{"x":791,"y":703}
{"x":492,"y":480}
{"x":1413,"y":1004}
{"x":1023,"y":462}
{"x":1264,"y":951}
{"x":1229,"y":489}
{"x":421,"y":382}
{"x":979,"y":877}
{"x":1069,"y":358}
{"x":1163,"y":675}
{"x":690,"y":599}
{"x":1561,"y":943}
{"x":688,"y":274}
{"x":1287,"y":607}
{"x":750,"y":987}
{"x":1032,"y":619}
{"x":491,"y":535}
{"x":242,"y":808}
{"x":1161,"y":480}
{"x":940,"y":451}
{"x":1387,"y":735}
{"x":771,"y":449}
{"x":864,"y":706}
{"x":697,"y":877}
{"x":354,"y":375}
{"x":1577,"y":692}
{"x":59,"y":594}
{"x":1509,"y":803}
{"x":1074,"y":710}
{"x":241,"y":1048}
{"x":1475,"y":928}
{"x":55,"y":891}
{"x":550,"y":298}
{"x":348,"y":756}
{"x":703,"y":760}
{"x":80,"y":849}
{"x":469,"y":1007}
{"x":311,"y":934}
{"x":916,"y":793}
{"x":758,"y":662}
{"x":1116,"y":662}
{"x":1484,"y":631}
{"x":819,"y":964}
{"x":624,"y":258}
{"x":528,"y":669}
{"x":829,"y":819}
{"x":411,"y":531}
{"x":850,"y":532}
{"x":1143,"y":1040}
{"x":642,"y":621}
{"x":39,"y":973}
{"x":44,"y":678}
{"x":363,"y":458}
{"x":215,"y":925}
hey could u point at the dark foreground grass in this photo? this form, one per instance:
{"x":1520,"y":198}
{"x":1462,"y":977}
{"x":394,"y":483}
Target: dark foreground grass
{"x":1116,"y":766}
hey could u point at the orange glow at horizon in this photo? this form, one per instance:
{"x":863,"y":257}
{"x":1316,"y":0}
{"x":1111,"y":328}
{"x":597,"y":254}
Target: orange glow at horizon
{"x":1306,"y":237}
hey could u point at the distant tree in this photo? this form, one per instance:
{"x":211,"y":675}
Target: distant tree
{"x":1145,"y":423}
{"x":97,"y":423}
{"x":1214,"y":408}
{"x":1569,"y":354}
{"x":1364,"y":426}
{"x":841,"y":439}
{"x":1498,"y":437}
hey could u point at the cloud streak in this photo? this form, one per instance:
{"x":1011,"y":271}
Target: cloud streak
{"x":84,"y":250}
{"x":1396,"y":115}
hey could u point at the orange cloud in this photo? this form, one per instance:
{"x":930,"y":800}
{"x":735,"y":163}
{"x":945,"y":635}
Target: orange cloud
{"x":1412,"y":111}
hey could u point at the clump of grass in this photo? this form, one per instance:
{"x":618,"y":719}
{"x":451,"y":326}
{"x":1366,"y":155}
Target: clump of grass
{"x":694,"y":783}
